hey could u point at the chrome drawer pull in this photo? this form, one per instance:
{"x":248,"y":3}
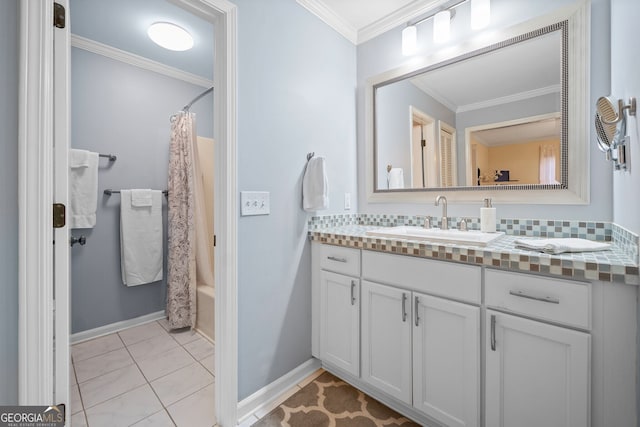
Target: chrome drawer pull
{"x":493,"y":332}
{"x":404,"y":307}
{"x":521,"y":294}
{"x":353,"y":297}
{"x":416,"y":314}
{"x":333,"y":258}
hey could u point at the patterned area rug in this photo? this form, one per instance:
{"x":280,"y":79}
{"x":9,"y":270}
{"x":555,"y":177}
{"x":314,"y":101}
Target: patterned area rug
{"x":330,"y":402}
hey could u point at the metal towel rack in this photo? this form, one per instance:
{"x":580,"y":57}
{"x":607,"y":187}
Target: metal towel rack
{"x":109,"y":192}
{"x":111,"y":157}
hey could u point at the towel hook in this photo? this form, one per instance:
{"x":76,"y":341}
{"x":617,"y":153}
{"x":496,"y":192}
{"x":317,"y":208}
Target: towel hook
{"x":388,"y":168}
{"x":310,"y":155}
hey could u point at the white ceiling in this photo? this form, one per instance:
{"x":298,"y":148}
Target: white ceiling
{"x":362,"y":20}
{"x":123,"y":24}
{"x":520,"y":134}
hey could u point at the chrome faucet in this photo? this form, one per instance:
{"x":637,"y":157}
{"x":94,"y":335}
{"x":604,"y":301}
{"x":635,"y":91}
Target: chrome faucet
{"x":444,"y":224}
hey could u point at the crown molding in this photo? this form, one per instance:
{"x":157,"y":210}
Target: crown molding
{"x":397,"y":18}
{"x":510,"y":98}
{"x":138,"y":61}
{"x":332,"y":19}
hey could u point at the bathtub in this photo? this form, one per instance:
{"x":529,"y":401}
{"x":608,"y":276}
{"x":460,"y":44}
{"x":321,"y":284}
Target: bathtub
{"x":205,"y":318}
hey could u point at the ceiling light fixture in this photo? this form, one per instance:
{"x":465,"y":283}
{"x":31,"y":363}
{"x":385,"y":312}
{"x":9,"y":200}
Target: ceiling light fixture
{"x":170,"y":36}
{"x":480,"y":18}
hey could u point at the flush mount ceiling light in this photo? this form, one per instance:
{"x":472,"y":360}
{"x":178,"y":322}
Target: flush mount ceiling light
{"x":480,"y":18}
{"x":170,"y":36}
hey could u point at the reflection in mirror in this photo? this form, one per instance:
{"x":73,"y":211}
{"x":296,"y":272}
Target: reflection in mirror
{"x":520,"y":152}
{"x":491,"y":117}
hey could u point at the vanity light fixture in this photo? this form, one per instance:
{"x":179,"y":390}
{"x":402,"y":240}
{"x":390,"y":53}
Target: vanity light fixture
{"x":170,"y":36}
{"x":442,"y":26}
{"x":480,"y":14}
{"x":480,"y":18}
{"x":409,"y":40}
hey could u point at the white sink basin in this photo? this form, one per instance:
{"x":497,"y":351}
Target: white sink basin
{"x":472,"y":237}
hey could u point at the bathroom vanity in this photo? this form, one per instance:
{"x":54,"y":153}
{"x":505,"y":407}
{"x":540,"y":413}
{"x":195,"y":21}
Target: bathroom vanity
{"x":454,"y":335}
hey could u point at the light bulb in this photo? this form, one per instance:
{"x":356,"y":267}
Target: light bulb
{"x":441,"y":26}
{"x":480,"y":14}
{"x":409,"y":40}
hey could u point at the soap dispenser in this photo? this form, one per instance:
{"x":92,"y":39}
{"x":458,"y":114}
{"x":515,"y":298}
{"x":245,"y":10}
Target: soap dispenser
{"x":488,"y":217}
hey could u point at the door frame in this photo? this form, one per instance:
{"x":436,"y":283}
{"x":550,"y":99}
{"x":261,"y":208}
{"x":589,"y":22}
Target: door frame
{"x":36,"y":168}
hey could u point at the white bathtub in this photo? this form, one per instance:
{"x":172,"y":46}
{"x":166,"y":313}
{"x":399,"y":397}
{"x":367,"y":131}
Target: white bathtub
{"x":205,"y":318}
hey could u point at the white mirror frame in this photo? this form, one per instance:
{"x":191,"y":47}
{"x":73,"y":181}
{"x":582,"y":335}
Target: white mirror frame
{"x":577,"y":192}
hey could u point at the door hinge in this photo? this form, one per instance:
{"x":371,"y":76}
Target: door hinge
{"x":59,"y":15}
{"x":214,"y":240}
{"x":59,"y":215}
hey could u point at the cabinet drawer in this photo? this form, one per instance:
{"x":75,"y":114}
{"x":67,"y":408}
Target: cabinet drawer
{"x":450,"y":280}
{"x":555,"y":300}
{"x":340,"y":260}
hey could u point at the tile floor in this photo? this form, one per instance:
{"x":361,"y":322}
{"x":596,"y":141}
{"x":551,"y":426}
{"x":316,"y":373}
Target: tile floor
{"x":143,"y":376}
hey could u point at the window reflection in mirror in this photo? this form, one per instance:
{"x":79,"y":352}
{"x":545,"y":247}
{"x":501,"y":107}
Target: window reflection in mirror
{"x":493,"y":117}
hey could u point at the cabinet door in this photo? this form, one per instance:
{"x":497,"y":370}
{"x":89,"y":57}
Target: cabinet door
{"x":536,"y":374}
{"x":386,"y":339}
{"x":446,"y":360}
{"x":340,"y":321}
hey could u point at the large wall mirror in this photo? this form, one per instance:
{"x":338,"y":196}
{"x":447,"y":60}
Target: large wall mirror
{"x":509,"y":117}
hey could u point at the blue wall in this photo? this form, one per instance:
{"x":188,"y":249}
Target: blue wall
{"x":296,"y":89}
{"x":123,"y":110}
{"x":383,"y":53}
{"x":625,"y":83}
{"x":9,"y":205}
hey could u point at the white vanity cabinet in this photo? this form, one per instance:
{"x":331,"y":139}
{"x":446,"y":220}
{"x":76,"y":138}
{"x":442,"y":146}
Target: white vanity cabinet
{"x":422,"y":349}
{"x":537,"y":374}
{"x":453,"y":344}
{"x":340,"y":308}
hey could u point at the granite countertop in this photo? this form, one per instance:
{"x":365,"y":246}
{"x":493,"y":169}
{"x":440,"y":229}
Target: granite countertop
{"x":613,"y":265}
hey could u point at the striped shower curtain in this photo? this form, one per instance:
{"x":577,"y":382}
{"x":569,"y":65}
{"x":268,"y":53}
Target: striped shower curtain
{"x":181,"y":276}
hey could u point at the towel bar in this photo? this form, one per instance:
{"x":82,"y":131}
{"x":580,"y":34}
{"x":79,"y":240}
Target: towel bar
{"x":109,"y":192}
{"x":111,"y":157}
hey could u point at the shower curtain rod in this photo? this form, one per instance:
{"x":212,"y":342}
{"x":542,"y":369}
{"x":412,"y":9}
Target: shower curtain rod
{"x":197,"y":98}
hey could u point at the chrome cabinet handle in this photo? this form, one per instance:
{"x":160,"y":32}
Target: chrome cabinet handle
{"x":404,"y":307}
{"x":353,"y":297}
{"x":333,"y":258}
{"x":416,"y":315}
{"x":521,"y":294}
{"x":493,"y":332}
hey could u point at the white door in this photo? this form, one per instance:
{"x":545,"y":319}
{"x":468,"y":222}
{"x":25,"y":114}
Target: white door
{"x":386,"y":339}
{"x":536,"y":374}
{"x":340,"y":321}
{"x":446,"y":360}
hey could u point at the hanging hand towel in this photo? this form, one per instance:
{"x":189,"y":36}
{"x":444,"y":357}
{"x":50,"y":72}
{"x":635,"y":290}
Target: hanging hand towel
{"x":314,"y":186}
{"x":396,"y":178}
{"x":141,"y":239}
{"x":560,"y":245}
{"x":83,"y":187}
{"x":141,"y":198}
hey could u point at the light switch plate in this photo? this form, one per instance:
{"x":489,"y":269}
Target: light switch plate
{"x":347,"y":201}
{"x":254,"y":203}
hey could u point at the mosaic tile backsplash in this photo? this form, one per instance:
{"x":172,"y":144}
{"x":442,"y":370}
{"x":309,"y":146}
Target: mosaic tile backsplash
{"x":619,"y":264}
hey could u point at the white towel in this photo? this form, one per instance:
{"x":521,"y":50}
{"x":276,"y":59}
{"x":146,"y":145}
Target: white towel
{"x":141,"y":198}
{"x":396,"y":178}
{"x":83,"y":187}
{"x":560,"y":245}
{"x":141,"y":240}
{"x":314,"y":186}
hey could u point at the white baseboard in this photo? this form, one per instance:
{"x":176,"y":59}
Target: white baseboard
{"x":115,"y":327}
{"x":272,"y":392}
